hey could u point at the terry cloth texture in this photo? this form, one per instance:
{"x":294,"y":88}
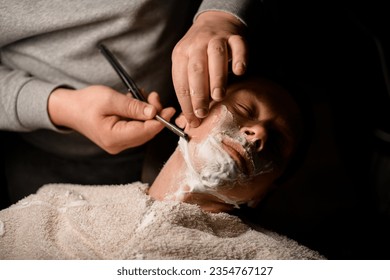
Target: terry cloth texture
{"x":64,"y":221}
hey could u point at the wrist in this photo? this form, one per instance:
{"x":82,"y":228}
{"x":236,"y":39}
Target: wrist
{"x":213,"y":16}
{"x":59,"y":108}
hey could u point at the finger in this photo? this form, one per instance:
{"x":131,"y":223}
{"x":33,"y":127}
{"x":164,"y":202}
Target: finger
{"x":239,"y":53}
{"x":180,"y":81}
{"x":128,"y":134}
{"x":128,"y":107}
{"x":135,"y":133}
{"x":181,"y":121}
{"x":154,"y":99}
{"x":198,"y":80}
{"x":218,"y":67}
{"x":167,"y":113}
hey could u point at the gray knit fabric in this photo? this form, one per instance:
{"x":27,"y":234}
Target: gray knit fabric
{"x":50,"y":43}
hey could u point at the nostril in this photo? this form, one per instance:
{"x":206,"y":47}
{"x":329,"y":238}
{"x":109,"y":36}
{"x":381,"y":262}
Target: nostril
{"x":248,"y":132}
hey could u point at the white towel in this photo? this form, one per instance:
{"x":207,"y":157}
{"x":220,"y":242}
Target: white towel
{"x":64,"y":221}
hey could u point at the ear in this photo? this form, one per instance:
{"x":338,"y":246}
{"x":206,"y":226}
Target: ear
{"x":181,"y":121}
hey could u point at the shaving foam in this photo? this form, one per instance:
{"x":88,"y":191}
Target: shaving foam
{"x":212,"y":169}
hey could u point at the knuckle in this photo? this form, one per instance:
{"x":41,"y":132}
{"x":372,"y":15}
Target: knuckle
{"x":216,"y":47}
{"x":101,"y":88}
{"x":105,"y":94}
{"x":182,"y":91}
{"x":178,"y":50}
{"x":197,"y":94}
{"x":135,"y":108}
{"x":237,"y":38}
{"x":197,"y":67}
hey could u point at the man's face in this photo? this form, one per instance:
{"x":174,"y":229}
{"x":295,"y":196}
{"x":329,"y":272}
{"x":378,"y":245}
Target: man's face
{"x":242,"y":147}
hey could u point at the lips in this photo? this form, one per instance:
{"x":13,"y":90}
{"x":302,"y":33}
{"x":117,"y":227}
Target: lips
{"x":238,"y":154}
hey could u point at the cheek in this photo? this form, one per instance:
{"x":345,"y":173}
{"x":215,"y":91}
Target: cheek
{"x":218,"y":120}
{"x":206,"y":125}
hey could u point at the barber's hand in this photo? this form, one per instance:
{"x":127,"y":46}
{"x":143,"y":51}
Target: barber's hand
{"x":112,"y":120}
{"x":200,"y":62}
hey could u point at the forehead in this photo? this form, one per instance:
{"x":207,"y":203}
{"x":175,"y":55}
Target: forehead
{"x":271,"y":99}
{"x":262,"y":90}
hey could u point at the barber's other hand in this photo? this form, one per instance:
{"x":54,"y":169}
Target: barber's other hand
{"x":112,"y":120}
{"x":200,"y":62}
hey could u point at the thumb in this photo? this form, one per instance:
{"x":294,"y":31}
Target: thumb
{"x":131,"y":108}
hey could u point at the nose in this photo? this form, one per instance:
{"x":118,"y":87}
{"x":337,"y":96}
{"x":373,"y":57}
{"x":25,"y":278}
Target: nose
{"x":255,"y":134}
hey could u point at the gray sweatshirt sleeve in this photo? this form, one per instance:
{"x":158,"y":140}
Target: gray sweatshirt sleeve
{"x":23,"y":93}
{"x":239,"y":8}
{"x":18,"y":112}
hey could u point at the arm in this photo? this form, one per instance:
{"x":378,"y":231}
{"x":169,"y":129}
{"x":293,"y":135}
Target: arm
{"x":113,"y":121}
{"x":23,"y":101}
{"x":200,"y":59}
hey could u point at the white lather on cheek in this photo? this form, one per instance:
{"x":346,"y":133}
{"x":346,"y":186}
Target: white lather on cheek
{"x":216,"y":167}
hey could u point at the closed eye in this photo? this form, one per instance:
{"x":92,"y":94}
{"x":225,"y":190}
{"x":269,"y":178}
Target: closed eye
{"x":245,"y":111}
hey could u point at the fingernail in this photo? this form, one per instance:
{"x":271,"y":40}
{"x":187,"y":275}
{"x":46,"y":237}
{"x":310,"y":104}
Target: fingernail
{"x":218,"y":94}
{"x":201,"y":113}
{"x":240,"y":67}
{"x":148,"y":111}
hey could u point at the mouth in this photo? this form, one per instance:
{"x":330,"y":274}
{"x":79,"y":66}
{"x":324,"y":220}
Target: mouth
{"x":240,"y":156}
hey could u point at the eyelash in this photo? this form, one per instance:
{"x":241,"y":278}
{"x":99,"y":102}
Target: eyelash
{"x":245,"y":111}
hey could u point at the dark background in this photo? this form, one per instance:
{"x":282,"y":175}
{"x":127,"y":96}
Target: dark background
{"x":338,"y":203}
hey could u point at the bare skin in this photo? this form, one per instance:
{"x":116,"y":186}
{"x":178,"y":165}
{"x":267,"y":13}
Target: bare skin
{"x":116,"y":122}
{"x":200,"y":62}
{"x":113,"y":121}
{"x":267,"y":117}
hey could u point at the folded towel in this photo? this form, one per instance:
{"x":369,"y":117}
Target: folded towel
{"x":63,"y":221}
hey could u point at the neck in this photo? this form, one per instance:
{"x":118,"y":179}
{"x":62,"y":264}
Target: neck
{"x":171,"y":184}
{"x":170,"y":179}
